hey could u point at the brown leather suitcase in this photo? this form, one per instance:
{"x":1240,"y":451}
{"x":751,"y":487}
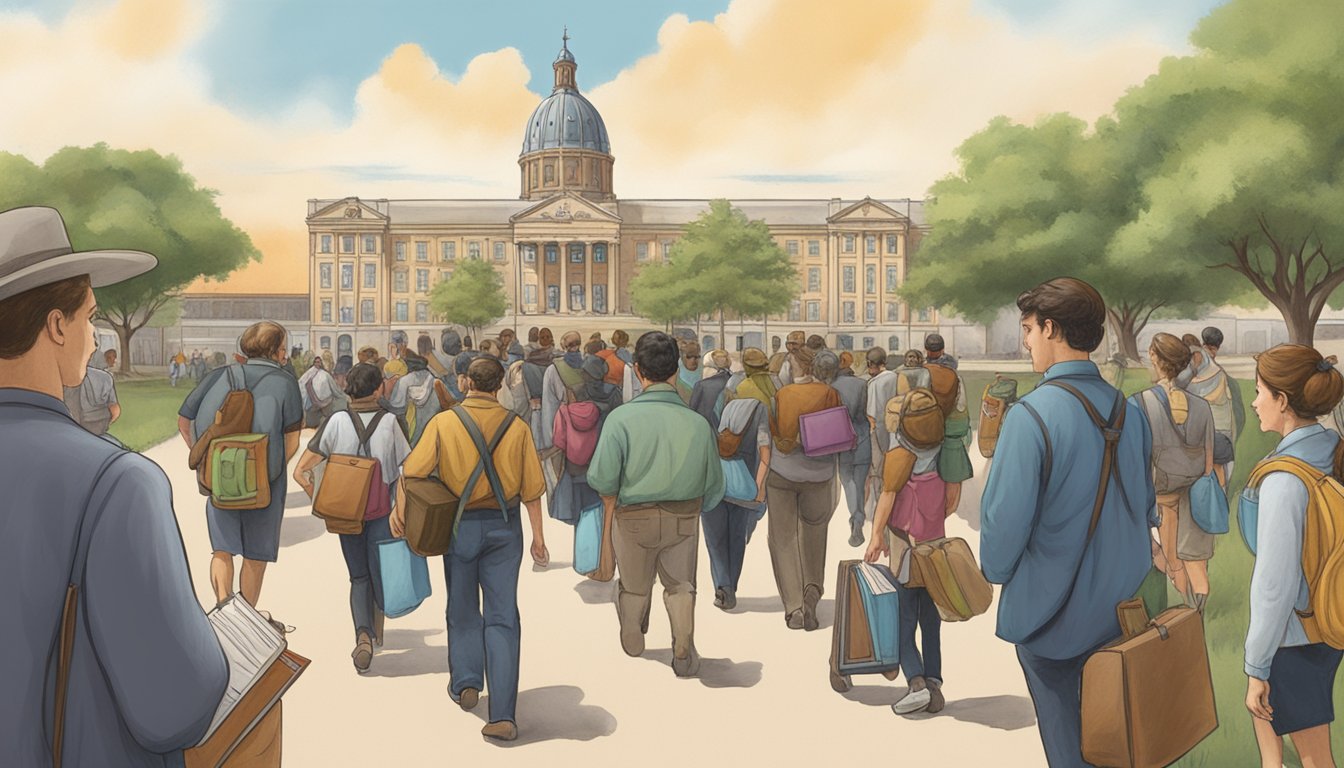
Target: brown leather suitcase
{"x":1148,"y":699}
{"x":431,"y":510}
{"x":947,"y":569}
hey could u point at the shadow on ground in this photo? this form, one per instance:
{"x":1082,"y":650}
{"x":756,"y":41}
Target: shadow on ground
{"x":554,"y":713}
{"x":825,"y":608}
{"x":298,"y":529}
{"x":596,"y":592}
{"x":715,"y":673}
{"x":407,"y":652}
{"x":1004,"y":713}
{"x":296,"y":499}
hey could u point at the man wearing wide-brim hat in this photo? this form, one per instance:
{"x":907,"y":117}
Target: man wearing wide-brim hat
{"x":146,"y":672}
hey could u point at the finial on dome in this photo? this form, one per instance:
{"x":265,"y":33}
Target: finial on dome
{"x":565,"y":38}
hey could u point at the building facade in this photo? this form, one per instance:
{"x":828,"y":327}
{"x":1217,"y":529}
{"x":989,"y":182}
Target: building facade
{"x":568,"y":248}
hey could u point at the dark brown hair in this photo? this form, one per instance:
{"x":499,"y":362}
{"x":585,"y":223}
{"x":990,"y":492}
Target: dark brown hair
{"x":620,"y":339}
{"x":1075,"y":308}
{"x":1311,"y":383}
{"x":22,"y":317}
{"x":262,"y":340}
{"x":486,"y":374}
{"x":1172,"y":354}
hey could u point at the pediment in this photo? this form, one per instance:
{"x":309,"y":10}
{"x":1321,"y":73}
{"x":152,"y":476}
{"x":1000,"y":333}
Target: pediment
{"x":869,"y":210}
{"x":348,"y":209}
{"x":566,"y":209}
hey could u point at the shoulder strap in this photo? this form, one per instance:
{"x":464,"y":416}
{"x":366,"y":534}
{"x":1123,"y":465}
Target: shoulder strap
{"x":66,"y":639}
{"x":1049,"y":460}
{"x":1110,"y":432}
{"x":1296,"y":467}
{"x":487,"y":453}
{"x":365,"y":433}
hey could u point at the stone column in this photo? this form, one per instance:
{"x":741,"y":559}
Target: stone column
{"x":611,"y":278}
{"x":587,"y":278}
{"x":564,"y":276}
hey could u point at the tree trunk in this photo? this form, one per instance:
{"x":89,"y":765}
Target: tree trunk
{"x":1127,"y":321}
{"x":1299,"y":298}
{"x":124,"y":334}
{"x":1301,"y":324}
{"x":722,"y":343}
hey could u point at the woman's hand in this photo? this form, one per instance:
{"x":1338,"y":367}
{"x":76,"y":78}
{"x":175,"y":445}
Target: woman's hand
{"x":1257,"y":699}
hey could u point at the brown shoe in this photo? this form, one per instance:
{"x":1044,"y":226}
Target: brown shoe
{"x":811,"y":596}
{"x":363,"y":653}
{"x":504,"y":730}
{"x":468,"y":699}
{"x":936,"y":700}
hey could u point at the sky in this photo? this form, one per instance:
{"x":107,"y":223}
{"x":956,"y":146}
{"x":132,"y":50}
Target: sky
{"x":277,"y":101}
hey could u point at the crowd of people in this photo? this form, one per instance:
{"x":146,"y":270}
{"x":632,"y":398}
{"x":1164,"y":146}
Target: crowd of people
{"x":657,"y":440}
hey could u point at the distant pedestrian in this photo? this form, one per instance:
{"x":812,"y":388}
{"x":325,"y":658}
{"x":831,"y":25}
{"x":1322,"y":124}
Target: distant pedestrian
{"x":94,"y":402}
{"x":707,"y":396}
{"x":855,"y":465}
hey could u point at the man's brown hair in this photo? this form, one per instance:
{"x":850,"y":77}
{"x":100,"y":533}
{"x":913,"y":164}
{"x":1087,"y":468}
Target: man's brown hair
{"x":22,"y":317}
{"x":1075,"y":308}
{"x":486,"y":374}
{"x":262,"y":340}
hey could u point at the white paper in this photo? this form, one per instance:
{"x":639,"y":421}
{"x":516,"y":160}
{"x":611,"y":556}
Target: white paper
{"x":250,"y":646}
{"x":879,"y":579}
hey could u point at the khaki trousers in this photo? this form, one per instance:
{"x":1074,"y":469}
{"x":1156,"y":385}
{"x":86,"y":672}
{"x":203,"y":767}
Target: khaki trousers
{"x":797,"y":521}
{"x":649,"y":541}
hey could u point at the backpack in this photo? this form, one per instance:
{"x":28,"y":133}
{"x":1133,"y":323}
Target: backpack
{"x":420,"y":393}
{"x":943,"y":382}
{"x":918,"y":416}
{"x":581,"y":422}
{"x":615,"y":367}
{"x":570,"y":376}
{"x":731,"y":442}
{"x":352,"y":489}
{"x":999,"y":396}
{"x":1176,"y":463}
{"x":232,"y":461}
{"x":1322,"y":547}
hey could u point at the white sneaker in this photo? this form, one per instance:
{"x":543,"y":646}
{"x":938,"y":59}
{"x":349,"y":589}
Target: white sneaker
{"x":914,"y":701}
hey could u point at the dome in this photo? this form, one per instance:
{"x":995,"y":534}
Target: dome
{"x":565,"y":119}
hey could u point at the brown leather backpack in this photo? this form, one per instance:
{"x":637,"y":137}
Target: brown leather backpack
{"x":943,"y":382}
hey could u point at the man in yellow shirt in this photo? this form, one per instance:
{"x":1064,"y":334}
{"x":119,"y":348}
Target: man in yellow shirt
{"x":487,"y":552}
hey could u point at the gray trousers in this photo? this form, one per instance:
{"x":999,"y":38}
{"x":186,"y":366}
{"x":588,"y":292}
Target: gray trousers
{"x":797,"y":521}
{"x":651,"y":541}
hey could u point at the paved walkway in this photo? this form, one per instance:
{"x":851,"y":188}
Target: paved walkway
{"x":762,"y":697}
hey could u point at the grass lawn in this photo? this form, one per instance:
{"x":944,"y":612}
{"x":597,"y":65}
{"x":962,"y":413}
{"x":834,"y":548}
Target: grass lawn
{"x":148,"y":411}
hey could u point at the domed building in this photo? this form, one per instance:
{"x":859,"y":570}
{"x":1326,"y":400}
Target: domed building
{"x":567,"y":249}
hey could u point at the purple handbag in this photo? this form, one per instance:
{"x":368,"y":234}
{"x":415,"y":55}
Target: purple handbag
{"x":827,"y":432}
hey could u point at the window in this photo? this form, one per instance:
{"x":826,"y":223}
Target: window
{"x":576,"y":253}
{"x":891,"y":244}
{"x":401,"y":250}
{"x":499,"y":251}
{"x":870,"y":279}
{"x":814,"y":279}
{"x":421,"y":250}
{"x":326,"y":314}
{"x":444,"y":275}
{"x":402,"y":311}
{"x":474,"y":249}
{"x":422,"y":311}
{"x":347,"y":243}
{"x":813,"y":247}
{"x":924,"y":314}
{"x":530,"y":295}
{"x":449,"y":251}
{"x":347,"y":277}
{"x":868,"y":342}
{"x":347,"y":314}
{"x":326,"y":244}
{"x":870,"y":311}
{"x":870,"y":244}
{"x":324,"y":275}
{"x":366,"y":311}
{"x":795,"y":310}
{"x":893,"y":344}
{"x":600,"y":299}
{"x":399,"y":281}
{"x":641,"y":251}
{"x":575,"y":297}
{"x":599,"y":255}
{"x":552,"y":254}
{"x":530,"y":254}
{"x":849,"y":243}
{"x":324,"y":342}
{"x":370,"y":276}
{"x":553,"y":298}
{"x":370,"y":244}
{"x":848,"y":311}
{"x":893,"y":312}
{"x":892,"y":283}
{"x":667,"y":250}
{"x":844,"y":342}
{"x":813,"y":311}
{"x":848,"y":273}
{"x":422,"y":280}
{"x":791,"y":246}
{"x":548,"y":173}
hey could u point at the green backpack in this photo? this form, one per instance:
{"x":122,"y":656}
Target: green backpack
{"x":231,"y":459}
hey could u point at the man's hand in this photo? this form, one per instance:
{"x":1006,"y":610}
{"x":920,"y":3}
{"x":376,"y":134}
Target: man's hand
{"x":877,"y":548}
{"x":760,"y":495}
{"x":606,"y":564}
{"x":305,"y":481}
{"x":540,"y":555}
{"x":1257,"y":699}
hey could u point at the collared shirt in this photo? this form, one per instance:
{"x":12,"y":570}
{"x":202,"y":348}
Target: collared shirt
{"x":147,"y":672}
{"x":1032,"y":538}
{"x":277,"y":405}
{"x":1278,"y":585}
{"x":655,"y":448}
{"x":447,"y":447}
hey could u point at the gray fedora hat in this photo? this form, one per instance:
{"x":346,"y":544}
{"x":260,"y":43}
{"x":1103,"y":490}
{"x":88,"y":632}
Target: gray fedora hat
{"x":35,"y":251}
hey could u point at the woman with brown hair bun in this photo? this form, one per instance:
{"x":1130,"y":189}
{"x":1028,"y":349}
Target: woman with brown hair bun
{"x":1291,"y":678}
{"x":1181,"y":425}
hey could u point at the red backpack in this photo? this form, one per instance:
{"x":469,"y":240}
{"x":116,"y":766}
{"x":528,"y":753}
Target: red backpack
{"x":576,"y":430}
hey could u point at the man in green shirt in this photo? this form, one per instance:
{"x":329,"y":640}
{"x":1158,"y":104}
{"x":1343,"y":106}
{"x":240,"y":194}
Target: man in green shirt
{"x":657,"y":468}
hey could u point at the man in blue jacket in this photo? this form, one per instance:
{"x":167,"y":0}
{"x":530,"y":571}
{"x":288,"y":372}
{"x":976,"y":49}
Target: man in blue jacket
{"x":1060,"y":587}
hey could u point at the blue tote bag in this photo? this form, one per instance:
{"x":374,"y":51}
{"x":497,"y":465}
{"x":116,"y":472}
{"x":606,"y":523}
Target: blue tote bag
{"x":588,"y":539}
{"x":1208,"y":505}
{"x":739,"y":485}
{"x":884,"y":616}
{"x":405,"y":577}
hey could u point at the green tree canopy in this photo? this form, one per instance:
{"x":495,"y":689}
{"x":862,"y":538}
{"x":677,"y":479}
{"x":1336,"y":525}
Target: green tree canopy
{"x":472,"y":297}
{"x":112,"y":198}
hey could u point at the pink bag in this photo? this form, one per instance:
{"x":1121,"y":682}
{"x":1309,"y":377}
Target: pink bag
{"x":826,"y":432}
{"x":380,"y":498}
{"x":918,"y":509}
{"x":575,"y":431}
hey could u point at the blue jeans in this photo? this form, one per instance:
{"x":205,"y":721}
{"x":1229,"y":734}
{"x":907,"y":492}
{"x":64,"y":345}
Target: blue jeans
{"x":727,"y":529}
{"x":1056,"y":688}
{"x":366,"y":574}
{"x":853,"y":477}
{"x":481,"y":570}
{"x":917,"y":608}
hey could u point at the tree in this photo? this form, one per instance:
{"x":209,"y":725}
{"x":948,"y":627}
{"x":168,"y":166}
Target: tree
{"x":143,"y":201}
{"x":472,"y":297}
{"x":724,"y":263}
